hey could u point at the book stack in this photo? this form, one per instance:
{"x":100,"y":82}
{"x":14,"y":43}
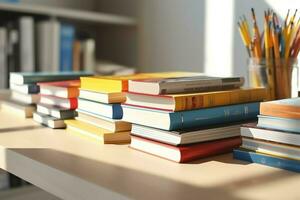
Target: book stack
{"x":182,"y":119}
{"x":275,"y":139}
{"x":25,"y":90}
{"x":99,"y":108}
{"x":58,"y":101}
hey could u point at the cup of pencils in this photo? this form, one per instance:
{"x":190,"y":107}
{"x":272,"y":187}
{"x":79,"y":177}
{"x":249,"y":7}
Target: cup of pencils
{"x":273,"y":53}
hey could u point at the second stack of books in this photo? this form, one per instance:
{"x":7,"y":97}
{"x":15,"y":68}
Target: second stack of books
{"x":185,"y":126}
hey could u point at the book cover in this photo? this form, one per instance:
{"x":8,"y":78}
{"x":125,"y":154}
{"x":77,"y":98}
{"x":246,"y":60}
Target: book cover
{"x":185,"y":153}
{"x":64,"y":89}
{"x":265,"y":159}
{"x":278,"y":123}
{"x":69,"y":103}
{"x":67,"y":34}
{"x":285,"y":108}
{"x":20,"y":78}
{"x":193,"y":101}
{"x":120,"y":83}
{"x":192,"y":118}
{"x":184,"y":84}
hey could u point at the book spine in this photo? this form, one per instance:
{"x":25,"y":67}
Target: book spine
{"x":73,"y":103}
{"x":3,"y":58}
{"x":89,"y":46}
{"x":218,"y":99}
{"x":283,"y":111}
{"x":67,"y":33}
{"x":271,"y":161}
{"x":27,"y":54}
{"x":117,"y":111}
{"x":211,"y":116}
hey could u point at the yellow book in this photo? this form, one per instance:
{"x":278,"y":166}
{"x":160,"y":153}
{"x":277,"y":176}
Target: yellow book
{"x":191,"y":101}
{"x":120,"y":83}
{"x":95,"y":133}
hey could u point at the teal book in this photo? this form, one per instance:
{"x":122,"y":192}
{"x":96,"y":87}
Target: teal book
{"x":21,"y":78}
{"x":190,"y":119}
{"x":264,"y":159}
{"x":278,"y":123}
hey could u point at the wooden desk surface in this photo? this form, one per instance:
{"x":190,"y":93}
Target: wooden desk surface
{"x":73,"y":168}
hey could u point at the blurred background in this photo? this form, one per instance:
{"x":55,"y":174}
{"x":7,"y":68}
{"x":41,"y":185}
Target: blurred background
{"x":135,"y":36}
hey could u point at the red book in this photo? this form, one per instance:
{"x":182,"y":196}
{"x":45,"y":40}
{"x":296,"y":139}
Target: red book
{"x":64,"y":89}
{"x":69,"y":103}
{"x":187,"y":153}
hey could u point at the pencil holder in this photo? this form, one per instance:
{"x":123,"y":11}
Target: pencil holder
{"x":280,"y":76}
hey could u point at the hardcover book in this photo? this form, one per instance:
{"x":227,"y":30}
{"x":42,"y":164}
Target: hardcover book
{"x":187,"y":153}
{"x":192,"y":101}
{"x":120,"y":83}
{"x":56,"y":111}
{"x":190,"y":119}
{"x":63,"y":89}
{"x":183,"y":84}
{"x":48,"y":121}
{"x":25,"y":98}
{"x":25,"y":89}
{"x":69,"y":103}
{"x":109,"y":97}
{"x":278,"y":123}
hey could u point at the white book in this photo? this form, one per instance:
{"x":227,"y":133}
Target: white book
{"x":89,"y":47}
{"x":25,"y":98}
{"x":48,"y":45}
{"x":3,"y":57}
{"x":27,"y":55}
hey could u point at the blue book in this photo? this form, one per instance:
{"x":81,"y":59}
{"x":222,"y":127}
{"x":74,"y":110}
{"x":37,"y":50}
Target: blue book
{"x":190,"y":119}
{"x":272,"y":161}
{"x":21,"y":78}
{"x":278,"y":123}
{"x":113,"y":111}
{"x":67,"y":35}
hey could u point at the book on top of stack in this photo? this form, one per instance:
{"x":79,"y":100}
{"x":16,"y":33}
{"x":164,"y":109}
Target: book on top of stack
{"x":99,"y":107}
{"x":275,"y":140}
{"x":25,"y":90}
{"x":183,"y":119}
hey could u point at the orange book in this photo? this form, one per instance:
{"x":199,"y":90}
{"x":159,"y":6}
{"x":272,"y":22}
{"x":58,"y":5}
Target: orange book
{"x":285,"y":108}
{"x":120,"y":83}
{"x":63,"y":89}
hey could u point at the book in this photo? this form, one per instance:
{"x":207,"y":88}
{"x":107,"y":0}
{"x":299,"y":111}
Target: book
{"x":13,"y":50}
{"x":56,"y":111}
{"x":187,"y":153}
{"x":3,"y":58}
{"x":20,"y":78}
{"x":97,"y":134}
{"x":48,"y":121}
{"x":67,"y":34}
{"x":183,"y":84}
{"x":77,"y":55}
{"x":265,"y":159}
{"x":120,"y":83}
{"x":271,"y":148}
{"x":27,"y":45}
{"x":254,"y":132}
{"x":192,"y":118}
{"x":285,"y":108}
{"x":49,"y":45}
{"x":63,"y":89}
{"x":110,"y":97}
{"x":69,"y":103}
{"x":187,"y":136}
{"x":192,"y":101}
{"x":113,"y":125}
{"x":113,"y":111}
{"x":25,"y":98}
{"x":26,"y":88}
{"x":278,"y":123}
{"x":88,"y":54}
{"x":17,"y":108}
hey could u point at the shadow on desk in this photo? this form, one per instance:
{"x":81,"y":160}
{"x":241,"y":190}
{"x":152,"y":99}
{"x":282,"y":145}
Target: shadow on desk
{"x":20,"y":128}
{"x":139,"y":184}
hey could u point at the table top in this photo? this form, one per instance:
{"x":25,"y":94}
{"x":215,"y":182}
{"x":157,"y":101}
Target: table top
{"x":74,"y":168}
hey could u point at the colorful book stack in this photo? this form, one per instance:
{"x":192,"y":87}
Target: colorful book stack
{"x":25,"y":91}
{"x":185,"y":126}
{"x":99,"y":108}
{"x":58,"y":101}
{"x":275,"y":139}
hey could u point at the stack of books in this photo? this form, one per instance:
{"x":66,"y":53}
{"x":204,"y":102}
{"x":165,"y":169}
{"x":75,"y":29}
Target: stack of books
{"x":275,"y":139}
{"x":182,"y":119}
{"x":99,"y":108}
{"x":58,"y":101}
{"x":25,"y":90}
